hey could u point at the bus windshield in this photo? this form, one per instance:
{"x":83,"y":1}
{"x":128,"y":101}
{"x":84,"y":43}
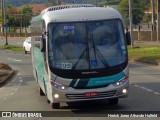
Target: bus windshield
{"x":88,"y":45}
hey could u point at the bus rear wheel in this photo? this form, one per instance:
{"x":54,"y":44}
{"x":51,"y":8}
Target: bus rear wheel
{"x":55,"y":105}
{"x":113,"y":101}
{"x":25,"y":52}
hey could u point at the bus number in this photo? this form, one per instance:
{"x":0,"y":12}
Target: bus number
{"x":68,"y":27}
{"x":66,"y":65}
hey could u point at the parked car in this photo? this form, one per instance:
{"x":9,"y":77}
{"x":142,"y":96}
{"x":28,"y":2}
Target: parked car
{"x":27,"y":45}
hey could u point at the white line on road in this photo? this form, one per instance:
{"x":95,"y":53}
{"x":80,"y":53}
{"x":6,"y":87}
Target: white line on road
{"x":147,"y":89}
{"x":14,"y":60}
{"x":156,"y":93}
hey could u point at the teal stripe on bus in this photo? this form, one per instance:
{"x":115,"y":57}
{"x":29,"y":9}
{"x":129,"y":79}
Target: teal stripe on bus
{"x":39,"y":65}
{"x":105,"y":80}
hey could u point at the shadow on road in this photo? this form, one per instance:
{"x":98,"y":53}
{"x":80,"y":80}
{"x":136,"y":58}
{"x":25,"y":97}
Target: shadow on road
{"x":93,"y":107}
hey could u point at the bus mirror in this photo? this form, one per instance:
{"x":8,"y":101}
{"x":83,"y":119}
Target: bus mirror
{"x":128,"y":38}
{"x":43,"y":45}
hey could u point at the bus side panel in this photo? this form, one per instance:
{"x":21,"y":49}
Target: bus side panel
{"x":39,"y":67}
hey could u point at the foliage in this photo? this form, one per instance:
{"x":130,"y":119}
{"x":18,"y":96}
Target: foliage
{"x":109,"y":2}
{"x":138,"y":8}
{"x":19,"y":18}
{"x":147,"y":54}
{"x":54,"y":2}
{"x":26,"y":9}
{"x":12,"y":47}
{"x":102,"y":2}
{"x":147,"y":18}
{"x":24,"y":2}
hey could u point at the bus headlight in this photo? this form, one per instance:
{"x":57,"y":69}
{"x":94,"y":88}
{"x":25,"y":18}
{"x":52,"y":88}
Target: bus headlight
{"x":58,"y":85}
{"x":121,"y":81}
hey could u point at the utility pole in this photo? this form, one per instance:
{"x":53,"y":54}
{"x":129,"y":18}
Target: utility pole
{"x":153,"y":14}
{"x":5,"y":22}
{"x":158,"y":19}
{"x":131,"y":21}
{"x":2,"y":7}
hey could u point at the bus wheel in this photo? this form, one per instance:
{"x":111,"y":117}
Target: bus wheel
{"x":55,"y":105}
{"x":41,"y":92}
{"x":113,"y":101}
{"x":25,"y":51}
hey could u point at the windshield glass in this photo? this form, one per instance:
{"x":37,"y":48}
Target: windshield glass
{"x":86,"y":45}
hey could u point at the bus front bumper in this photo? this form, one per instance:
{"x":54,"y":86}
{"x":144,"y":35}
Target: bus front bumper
{"x":73,"y":95}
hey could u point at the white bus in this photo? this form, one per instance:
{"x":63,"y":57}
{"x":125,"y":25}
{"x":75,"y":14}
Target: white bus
{"x":82,"y":55}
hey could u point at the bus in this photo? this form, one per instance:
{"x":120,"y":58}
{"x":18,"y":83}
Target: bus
{"x":79,"y":53}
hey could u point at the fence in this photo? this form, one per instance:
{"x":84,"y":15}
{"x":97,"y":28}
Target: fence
{"x":16,"y":32}
{"x":145,"y":32}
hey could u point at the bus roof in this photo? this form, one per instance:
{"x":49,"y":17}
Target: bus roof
{"x":60,"y":7}
{"x":78,"y":14}
{"x":81,"y":14}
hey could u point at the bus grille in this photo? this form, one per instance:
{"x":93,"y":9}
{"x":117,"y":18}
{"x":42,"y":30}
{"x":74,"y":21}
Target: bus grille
{"x":100,"y":95}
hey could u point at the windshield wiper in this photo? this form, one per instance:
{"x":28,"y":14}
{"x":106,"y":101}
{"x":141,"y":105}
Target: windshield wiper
{"x":94,"y":47}
{"x":102,"y":58}
{"x":98,"y":52}
{"x":81,"y":56}
{"x":86,"y":50}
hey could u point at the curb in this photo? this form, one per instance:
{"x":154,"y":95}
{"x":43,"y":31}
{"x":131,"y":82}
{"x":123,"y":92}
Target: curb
{"x":145,"y":62}
{"x":6,"y":78}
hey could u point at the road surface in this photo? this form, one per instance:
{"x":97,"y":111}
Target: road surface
{"x":22,"y":92}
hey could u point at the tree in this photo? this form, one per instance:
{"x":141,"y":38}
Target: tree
{"x":27,"y":14}
{"x":52,"y":2}
{"x":138,"y":8}
{"x":19,"y":18}
{"x":147,"y":18}
{"x":26,"y":9}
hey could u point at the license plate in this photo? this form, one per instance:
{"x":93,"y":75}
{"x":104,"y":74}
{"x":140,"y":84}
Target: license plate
{"x":90,"y":94}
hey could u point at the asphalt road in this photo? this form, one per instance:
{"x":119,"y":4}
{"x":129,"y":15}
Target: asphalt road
{"x":22,"y":92}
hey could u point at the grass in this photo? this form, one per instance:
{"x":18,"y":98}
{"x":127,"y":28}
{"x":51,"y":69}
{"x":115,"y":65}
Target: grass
{"x":146,"y":54}
{"x":12,"y":47}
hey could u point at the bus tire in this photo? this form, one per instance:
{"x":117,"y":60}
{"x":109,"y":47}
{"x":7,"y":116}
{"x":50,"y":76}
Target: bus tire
{"x":113,"y":101}
{"x":41,"y":92}
{"x":25,"y":52}
{"x":55,"y":105}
